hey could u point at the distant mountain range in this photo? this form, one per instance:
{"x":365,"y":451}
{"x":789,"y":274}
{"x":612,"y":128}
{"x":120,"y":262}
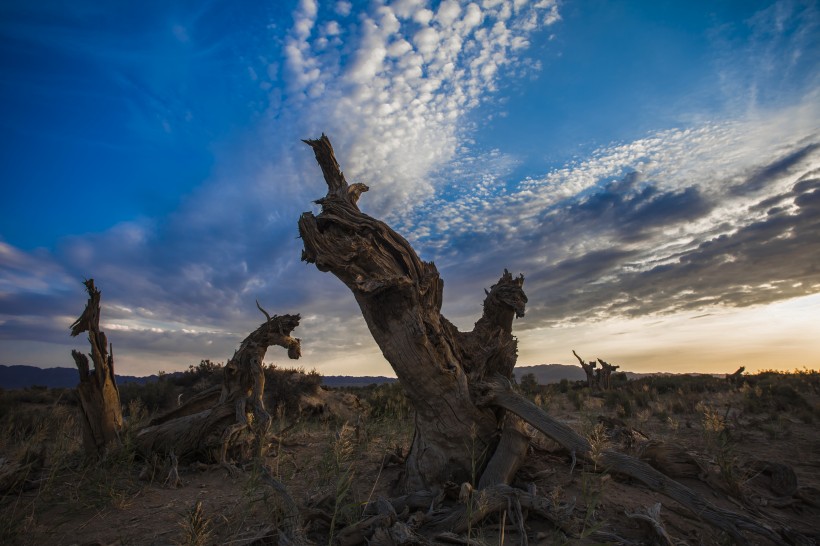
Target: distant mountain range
{"x":351,"y":381}
{"x":20,"y":377}
{"x":554,"y":373}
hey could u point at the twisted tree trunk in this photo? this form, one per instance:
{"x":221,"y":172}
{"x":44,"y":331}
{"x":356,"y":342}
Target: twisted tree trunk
{"x":100,"y":410}
{"x":606,"y":374}
{"x":230,"y":420}
{"x":400,"y":297}
{"x":589,"y":370}
{"x":468,"y":420}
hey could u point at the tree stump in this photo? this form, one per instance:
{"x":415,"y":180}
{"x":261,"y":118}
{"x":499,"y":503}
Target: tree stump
{"x":606,"y":374}
{"x":100,"y":409}
{"x":590,"y":371}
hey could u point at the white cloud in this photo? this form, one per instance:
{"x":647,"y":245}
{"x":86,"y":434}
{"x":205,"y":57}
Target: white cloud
{"x":447,"y":12}
{"x":433,"y":69}
{"x":343,"y":8}
{"x":395,"y":96}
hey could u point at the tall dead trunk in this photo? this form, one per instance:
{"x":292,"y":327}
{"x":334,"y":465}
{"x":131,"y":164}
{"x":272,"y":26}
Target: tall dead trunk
{"x":468,"y":420}
{"x":606,"y":374}
{"x":100,"y":410}
{"x":230,"y":420}
{"x":589,"y":370}
{"x":400,"y":297}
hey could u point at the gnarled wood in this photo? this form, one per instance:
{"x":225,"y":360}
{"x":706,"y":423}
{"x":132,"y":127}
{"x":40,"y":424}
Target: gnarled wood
{"x":589,"y":370}
{"x":400,"y":297}
{"x":458,"y":383}
{"x":737,"y":377}
{"x":499,"y":393}
{"x":100,"y":409}
{"x":219,"y":419}
{"x":606,"y":374}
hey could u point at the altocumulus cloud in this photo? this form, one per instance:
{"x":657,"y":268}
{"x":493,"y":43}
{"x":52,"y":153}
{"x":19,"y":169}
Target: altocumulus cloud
{"x":722,"y":214}
{"x":718,"y":213}
{"x":393,"y":86}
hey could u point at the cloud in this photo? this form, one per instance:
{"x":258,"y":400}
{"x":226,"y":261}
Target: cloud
{"x":395,"y":96}
{"x":719,"y":213}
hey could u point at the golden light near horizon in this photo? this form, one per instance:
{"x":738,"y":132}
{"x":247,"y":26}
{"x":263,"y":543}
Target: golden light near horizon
{"x":779,"y":336}
{"x":524,"y":135}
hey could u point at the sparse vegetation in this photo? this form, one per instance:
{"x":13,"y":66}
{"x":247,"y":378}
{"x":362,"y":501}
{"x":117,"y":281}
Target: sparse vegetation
{"x":59,"y":494}
{"x":466,"y":468}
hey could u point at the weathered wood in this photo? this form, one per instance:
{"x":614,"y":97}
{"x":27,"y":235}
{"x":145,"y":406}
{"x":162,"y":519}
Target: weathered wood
{"x":400,"y":297}
{"x":100,"y":409}
{"x":458,"y":383}
{"x":737,"y":377}
{"x":606,"y":374}
{"x":230,"y":419}
{"x":652,"y":517}
{"x":508,"y":456}
{"x":496,"y":499}
{"x":499,"y":393}
{"x":589,"y":370}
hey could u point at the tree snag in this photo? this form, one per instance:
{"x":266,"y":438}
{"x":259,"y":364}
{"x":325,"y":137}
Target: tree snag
{"x":736,"y":378}
{"x":606,"y":374}
{"x":468,"y":421}
{"x":100,"y":410}
{"x":400,"y":297}
{"x":228,"y":420}
{"x":589,"y":370}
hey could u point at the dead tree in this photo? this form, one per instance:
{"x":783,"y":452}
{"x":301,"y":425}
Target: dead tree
{"x":100,"y":410}
{"x":606,"y":374}
{"x":737,"y":377}
{"x":589,"y":370}
{"x":458,"y":383}
{"x":227,"y":420}
{"x":400,"y":297}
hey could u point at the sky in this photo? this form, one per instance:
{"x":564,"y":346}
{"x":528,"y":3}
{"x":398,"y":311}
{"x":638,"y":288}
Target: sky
{"x":652,"y":168}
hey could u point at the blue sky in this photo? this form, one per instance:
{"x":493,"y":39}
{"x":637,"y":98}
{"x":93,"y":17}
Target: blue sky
{"x":653,"y":168}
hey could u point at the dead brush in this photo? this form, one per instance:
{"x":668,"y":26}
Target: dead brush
{"x":343,"y":448}
{"x":598,"y":443}
{"x":721,"y":446}
{"x":196,"y":527}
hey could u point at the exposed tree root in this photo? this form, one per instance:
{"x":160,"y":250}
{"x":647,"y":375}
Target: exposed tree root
{"x":652,"y":516}
{"x":499,"y":393}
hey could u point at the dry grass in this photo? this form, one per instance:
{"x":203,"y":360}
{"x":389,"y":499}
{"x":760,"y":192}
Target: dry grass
{"x":59,"y":499}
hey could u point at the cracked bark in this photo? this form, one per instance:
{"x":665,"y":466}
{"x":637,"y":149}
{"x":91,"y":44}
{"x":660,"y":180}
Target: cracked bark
{"x":100,"y":410}
{"x":227,"y":420}
{"x":469,"y":423}
{"x":400,"y":297}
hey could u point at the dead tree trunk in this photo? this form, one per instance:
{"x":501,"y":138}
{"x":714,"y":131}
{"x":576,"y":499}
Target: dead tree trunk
{"x":227,"y":421}
{"x":468,"y":419}
{"x":589,"y":370}
{"x":737,"y":377}
{"x":606,"y":374}
{"x":100,"y":410}
{"x":400,"y":297}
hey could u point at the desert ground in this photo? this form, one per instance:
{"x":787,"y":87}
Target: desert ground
{"x":748,"y":446}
